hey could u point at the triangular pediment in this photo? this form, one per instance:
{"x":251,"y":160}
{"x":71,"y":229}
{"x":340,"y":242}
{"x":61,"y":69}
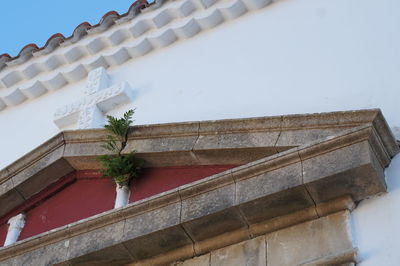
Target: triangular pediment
{"x":285,"y":164}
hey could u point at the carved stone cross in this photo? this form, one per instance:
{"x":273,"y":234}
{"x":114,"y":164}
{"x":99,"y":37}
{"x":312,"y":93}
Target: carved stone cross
{"x":99,"y":98}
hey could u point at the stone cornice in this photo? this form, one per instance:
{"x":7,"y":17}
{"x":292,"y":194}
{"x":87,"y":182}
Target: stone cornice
{"x":154,"y":29}
{"x":243,"y":202}
{"x":237,"y":141}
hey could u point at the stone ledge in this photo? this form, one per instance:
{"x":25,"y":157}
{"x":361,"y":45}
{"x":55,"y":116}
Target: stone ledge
{"x":235,"y":141}
{"x":60,"y":252}
{"x":238,"y":202}
{"x":249,"y":197}
{"x":324,"y":241}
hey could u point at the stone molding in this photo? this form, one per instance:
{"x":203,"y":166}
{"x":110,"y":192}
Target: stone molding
{"x":303,"y":182}
{"x":323,"y":241}
{"x":236,"y":141}
{"x":155,"y":28}
{"x":179,"y":202}
{"x":133,"y":227}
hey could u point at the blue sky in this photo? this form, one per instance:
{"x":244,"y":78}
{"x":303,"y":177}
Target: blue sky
{"x":27,"y":21}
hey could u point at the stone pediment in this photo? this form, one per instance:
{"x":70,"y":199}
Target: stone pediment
{"x":290,"y":167}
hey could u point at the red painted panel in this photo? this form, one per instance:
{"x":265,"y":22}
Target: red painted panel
{"x":84,"y":194}
{"x":40,"y":197}
{"x":156,"y":180}
{"x":3,"y":234}
{"x":84,"y":198}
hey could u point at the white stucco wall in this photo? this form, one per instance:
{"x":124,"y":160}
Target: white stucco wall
{"x":294,"y":56}
{"x":376,"y":223}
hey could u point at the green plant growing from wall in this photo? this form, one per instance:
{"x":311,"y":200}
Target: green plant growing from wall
{"x":122,"y":168}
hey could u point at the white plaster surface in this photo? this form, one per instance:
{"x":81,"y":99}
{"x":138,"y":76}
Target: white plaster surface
{"x":294,"y":56}
{"x":376,"y":223}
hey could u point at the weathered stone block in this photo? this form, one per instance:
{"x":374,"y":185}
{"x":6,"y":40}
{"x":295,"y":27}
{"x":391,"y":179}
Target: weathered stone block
{"x":298,"y":121}
{"x":164,"y":130}
{"x":155,"y":152}
{"x":160,"y":243}
{"x":233,"y":142}
{"x":385,"y":134}
{"x":172,"y":257}
{"x":166,"y":144}
{"x":295,"y":138}
{"x":9,"y":197}
{"x":208,"y":214}
{"x":268,"y":183}
{"x":197,"y":261}
{"x":83,"y":149}
{"x":209,"y":202}
{"x":222,"y":240}
{"x":250,"y":253}
{"x":38,"y":165}
{"x":155,"y":232}
{"x":41,"y":172}
{"x":4,"y":175}
{"x":299,"y":244}
{"x":344,"y":258}
{"x":6,"y":186}
{"x":232,"y":156}
{"x":84,"y":162}
{"x":95,"y":240}
{"x":45,"y":149}
{"x":114,"y":255}
{"x":234,"y":148}
{"x":283,"y":221}
{"x":9,"y":201}
{"x":277,"y":204}
{"x":236,"y":140}
{"x":48,"y":255}
{"x":271,"y":194}
{"x":9,"y":262}
{"x":212,"y":225}
{"x":335,"y":205}
{"x":173,"y":158}
{"x":152,"y":221}
{"x":266,"y":164}
{"x":334,"y":161}
{"x":357,"y":117}
{"x":352,"y":170}
{"x":257,"y":124}
{"x":41,"y":179}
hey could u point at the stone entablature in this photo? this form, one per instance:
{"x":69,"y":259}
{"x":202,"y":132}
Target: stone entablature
{"x":157,"y":28}
{"x":234,"y":142}
{"x":295,"y":169}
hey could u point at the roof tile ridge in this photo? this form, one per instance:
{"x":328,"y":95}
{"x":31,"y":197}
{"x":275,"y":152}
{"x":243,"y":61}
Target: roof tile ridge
{"x":188,"y":25}
{"x":28,"y":51}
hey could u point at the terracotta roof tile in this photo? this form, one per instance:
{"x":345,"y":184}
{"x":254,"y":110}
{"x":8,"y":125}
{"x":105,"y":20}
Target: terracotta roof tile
{"x":79,"y":32}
